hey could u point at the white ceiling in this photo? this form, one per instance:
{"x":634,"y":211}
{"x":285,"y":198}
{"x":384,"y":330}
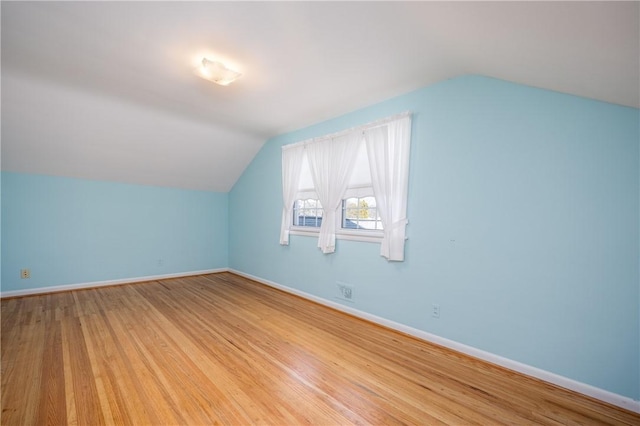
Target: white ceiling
{"x":107,"y":90}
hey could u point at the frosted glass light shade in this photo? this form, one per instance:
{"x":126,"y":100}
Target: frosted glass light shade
{"x":217,"y":72}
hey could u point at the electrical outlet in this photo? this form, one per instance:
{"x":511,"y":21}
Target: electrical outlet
{"x":345,"y":292}
{"x":25,"y":273}
{"x":435,"y":310}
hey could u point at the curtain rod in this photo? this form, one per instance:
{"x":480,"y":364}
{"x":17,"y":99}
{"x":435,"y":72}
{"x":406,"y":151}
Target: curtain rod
{"x":361,"y":128}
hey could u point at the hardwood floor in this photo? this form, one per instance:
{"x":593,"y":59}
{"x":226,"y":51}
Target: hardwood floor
{"x":221,"y":349}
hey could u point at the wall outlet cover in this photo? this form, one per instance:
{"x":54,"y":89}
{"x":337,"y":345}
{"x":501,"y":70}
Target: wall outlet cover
{"x":435,"y":310}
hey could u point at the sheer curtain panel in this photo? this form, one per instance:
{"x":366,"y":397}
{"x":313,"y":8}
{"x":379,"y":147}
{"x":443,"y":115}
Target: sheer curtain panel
{"x":291,"y":165}
{"x":331,"y":162}
{"x":388,"y":150}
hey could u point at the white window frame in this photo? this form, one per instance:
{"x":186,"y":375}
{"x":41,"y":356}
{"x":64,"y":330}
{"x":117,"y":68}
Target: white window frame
{"x":345,"y":207}
{"x":364,"y":235}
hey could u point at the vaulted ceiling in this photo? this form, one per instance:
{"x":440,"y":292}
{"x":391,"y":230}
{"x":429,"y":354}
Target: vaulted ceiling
{"x":106,"y":90}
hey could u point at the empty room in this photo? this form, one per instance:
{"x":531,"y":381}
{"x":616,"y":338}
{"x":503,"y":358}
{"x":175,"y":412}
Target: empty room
{"x":324,"y":213}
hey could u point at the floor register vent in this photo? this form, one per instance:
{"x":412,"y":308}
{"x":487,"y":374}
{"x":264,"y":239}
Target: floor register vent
{"x":345,"y":292}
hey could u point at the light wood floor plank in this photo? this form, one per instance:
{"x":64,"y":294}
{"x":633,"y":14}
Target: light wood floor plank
{"x":221,"y":349}
{"x":52,"y":406}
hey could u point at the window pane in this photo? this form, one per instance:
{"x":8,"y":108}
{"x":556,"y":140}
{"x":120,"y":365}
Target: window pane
{"x":360,"y":213}
{"x":307,"y":213}
{"x":371,"y":201}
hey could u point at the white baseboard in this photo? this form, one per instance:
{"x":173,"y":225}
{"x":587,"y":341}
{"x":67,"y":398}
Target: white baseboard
{"x":67,"y":287}
{"x":556,"y":379}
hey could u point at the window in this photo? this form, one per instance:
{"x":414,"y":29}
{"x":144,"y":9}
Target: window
{"x":352,"y":184}
{"x":360,"y":213}
{"x":307,"y":213}
{"x":351,"y":222}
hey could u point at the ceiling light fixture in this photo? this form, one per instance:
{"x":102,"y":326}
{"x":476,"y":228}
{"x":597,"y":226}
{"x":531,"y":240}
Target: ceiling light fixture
{"x":217,"y":72}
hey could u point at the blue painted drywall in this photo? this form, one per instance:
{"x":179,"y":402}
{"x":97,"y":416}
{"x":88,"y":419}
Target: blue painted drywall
{"x":523,"y":225}
{"x":0,"y":229}
{"x":72,"y":231}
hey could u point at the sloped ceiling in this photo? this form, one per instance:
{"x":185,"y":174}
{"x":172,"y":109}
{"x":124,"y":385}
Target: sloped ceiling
{"x":102,"y":90}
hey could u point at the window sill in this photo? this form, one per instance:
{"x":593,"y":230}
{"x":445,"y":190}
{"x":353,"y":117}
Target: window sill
{"x":343,"y":234}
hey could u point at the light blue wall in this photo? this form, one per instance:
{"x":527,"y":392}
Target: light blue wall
{"x":72,"y":231}
{"x":0,"y":227}
{"x":523,"y":212}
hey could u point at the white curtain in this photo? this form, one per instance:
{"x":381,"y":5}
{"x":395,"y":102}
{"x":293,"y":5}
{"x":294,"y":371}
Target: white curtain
{"x":331,"y":162}
{"x":388,"y":150}
{"x":291,"y":165}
